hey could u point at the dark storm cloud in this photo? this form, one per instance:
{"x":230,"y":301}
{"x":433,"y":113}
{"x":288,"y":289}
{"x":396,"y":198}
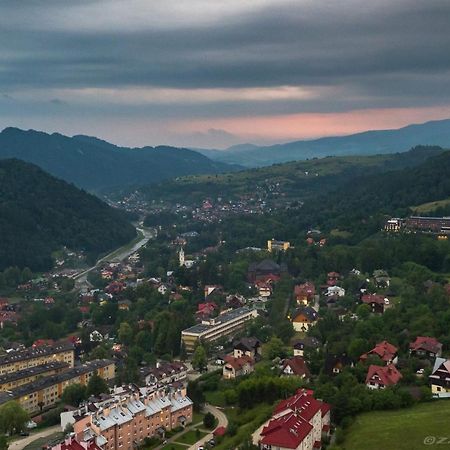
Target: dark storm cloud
{"x":294,"y":44}
{"x":349,"y":55}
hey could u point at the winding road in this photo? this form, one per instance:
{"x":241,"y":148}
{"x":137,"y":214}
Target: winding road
{"x":222,"y":421}
{"x":119,"y":254}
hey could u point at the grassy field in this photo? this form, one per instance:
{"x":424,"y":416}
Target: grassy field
{"x":190,"y":437}
{"x":431,"y":206}
{"x":405,"y":429}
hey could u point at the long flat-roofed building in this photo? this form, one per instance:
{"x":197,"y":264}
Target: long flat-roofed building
{"x":44,"y":393}
{"x":226,"y":324}
{"x":31,"y":357}
{"x":12,"y":380}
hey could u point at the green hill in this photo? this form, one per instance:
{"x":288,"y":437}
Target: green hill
{"x":93,"y":164}
{"x":39,"y":213}
{"x":295,"y":180}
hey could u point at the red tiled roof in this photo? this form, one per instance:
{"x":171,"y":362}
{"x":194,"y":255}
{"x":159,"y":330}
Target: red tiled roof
{"x":72,"y":444}
{"x":373,"y":298}
{"x":429,"y":344}
{"x":287,"y":431}
{"x":384,"y":350}
{"x":297,"y":365}
{"x":387,"y":375}
{"x":238,"y":363}
{"x":303,"y":402}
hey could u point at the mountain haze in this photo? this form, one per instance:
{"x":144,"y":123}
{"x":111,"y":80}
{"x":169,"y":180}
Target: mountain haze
{"x":93,"y":164}
{"x":365,"y":143}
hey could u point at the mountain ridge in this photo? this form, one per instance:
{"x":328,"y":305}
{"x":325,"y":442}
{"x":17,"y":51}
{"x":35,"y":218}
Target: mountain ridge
{"x":435,"y":132}
{"x":94,"y":164}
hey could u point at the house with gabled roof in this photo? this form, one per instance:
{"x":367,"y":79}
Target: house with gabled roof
{"x":440,"y":378}
{"x":304,"y":293}
{"x":295,"y":366}
{"x":376,"y":302}
{"x":425,"y":347}
{"x":235,"y":367}
{"x":297,"y":423}
{"x":381,"y":377}
{"x":385,"y":351}
{"x":304,"y":318}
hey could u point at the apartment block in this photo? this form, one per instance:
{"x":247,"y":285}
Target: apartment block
{"x":31,"y":357}
{"x":129,"y":415}
{"x":226,"y":324}
{"x":44,"y":393}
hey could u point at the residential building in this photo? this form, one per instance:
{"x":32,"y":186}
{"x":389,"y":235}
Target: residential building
{"x":304,"y":318}
{"x":335,"y":291}
{"x":248,"y":346}
{"x":307,"y":342}
{"x":425,"y":347}
{"x":276,"y":246}
{"x":295,"y":366}
{"x":304,"y":293}
{"x":298,"y":423}
{"x":226,"y":324}
{"x":12,"y":380}
{"x":235,"y":367}
{"x":129,"y":415}
{"x":394,"y":225}
{"x":30,"y":357}
{"x":164,"y":373}
{"x":264,"y":270}
{"x":385,"y":351}
{"x":44,"y":393}
{"x":440,"y":378}
{"x":334,"y":364}
{"x":380,"y":377}
{"x":376,"y":303}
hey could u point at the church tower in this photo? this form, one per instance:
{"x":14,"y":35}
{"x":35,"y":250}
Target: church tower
{"x":181,"y":257}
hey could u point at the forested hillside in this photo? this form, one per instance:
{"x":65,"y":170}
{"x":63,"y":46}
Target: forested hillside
{"x":39,"y":213}
{"x":94,"y":164}
{"x":296,"y":180}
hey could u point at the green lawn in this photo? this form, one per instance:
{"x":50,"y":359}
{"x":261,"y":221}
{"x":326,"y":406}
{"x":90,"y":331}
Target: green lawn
{"x":190,"y":437}
{"x":216,"y":398}
{"x":197,"y":418}
{"x":39,"y":443}
{"x":174,"y":446}
{"x":404,"y":429}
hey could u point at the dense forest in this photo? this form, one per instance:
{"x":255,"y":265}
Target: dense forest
{"x":39,"y":213}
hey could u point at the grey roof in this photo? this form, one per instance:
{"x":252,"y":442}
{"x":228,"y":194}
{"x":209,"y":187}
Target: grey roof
{"x":31,"y":353}
{"x":36,"y":370}
{"x":220,"y":319}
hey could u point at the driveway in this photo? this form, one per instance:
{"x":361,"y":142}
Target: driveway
{"x":222,"y":421}
{"x":19,"y":444}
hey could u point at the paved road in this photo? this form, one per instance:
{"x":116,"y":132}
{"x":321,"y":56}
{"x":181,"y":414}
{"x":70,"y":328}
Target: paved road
{"x":118,"y":254}
{"x":222,"y":422}
{"x":21,"y":443}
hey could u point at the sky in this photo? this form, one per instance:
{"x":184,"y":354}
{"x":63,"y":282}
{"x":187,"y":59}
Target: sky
{"x":205,"y":73}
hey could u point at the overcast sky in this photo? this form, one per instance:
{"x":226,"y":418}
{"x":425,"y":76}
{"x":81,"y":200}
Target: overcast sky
{"x":215,"y":73}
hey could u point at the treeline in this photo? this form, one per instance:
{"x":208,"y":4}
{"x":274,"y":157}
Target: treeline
{"x":39,"y":213}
